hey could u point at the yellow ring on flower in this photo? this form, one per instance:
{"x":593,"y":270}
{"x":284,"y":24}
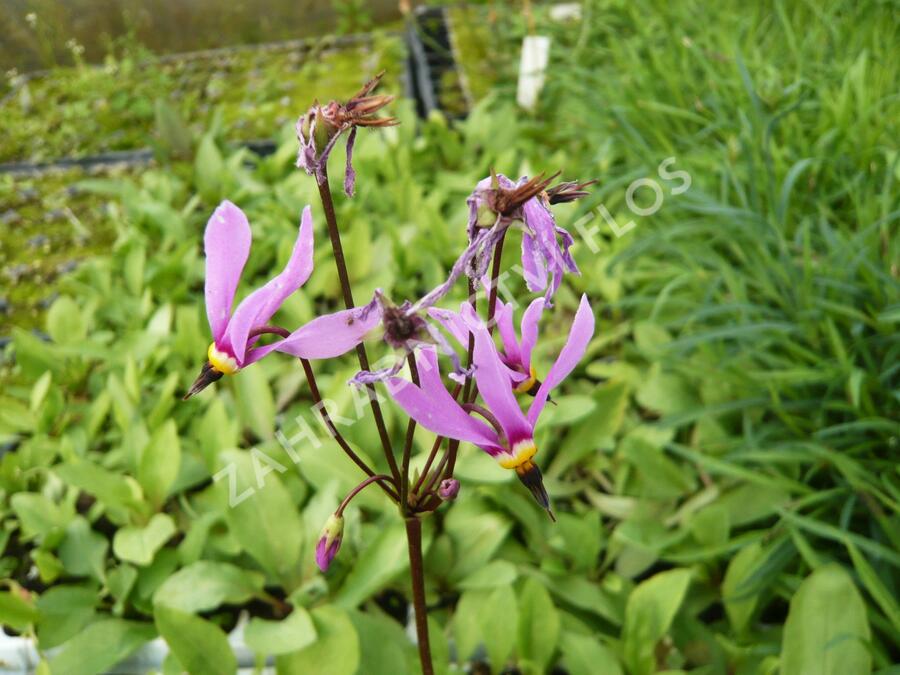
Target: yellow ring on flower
{"x":221,"y":361}
{"x":525,"y":385}
{"x":522,"y":452}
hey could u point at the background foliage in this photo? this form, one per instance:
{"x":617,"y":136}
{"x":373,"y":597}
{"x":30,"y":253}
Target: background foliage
{"x":723,"y":465}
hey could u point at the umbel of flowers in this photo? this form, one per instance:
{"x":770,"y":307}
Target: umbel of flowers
{"x":462,"y":384}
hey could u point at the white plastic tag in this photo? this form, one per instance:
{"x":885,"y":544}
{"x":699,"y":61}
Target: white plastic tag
{"x":532,"y":68}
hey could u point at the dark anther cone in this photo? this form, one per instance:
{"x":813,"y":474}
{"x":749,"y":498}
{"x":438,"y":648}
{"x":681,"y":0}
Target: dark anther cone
{"x":207,"y":376}
{"x":530,"y":475}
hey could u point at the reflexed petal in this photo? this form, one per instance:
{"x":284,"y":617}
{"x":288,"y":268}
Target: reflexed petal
{"x":452,"y":322}
{"x":349,"y":172}
{"x":579,"y":336}
{"x":333,"y":334}
{"x":530,"y":329}
{"x":227,"y":245}
{"x":492,"y":377}
{"x":533,"y":264}
{"x":432,"y":406}
{"x":258,"y":307}
{"x":504,"y":316}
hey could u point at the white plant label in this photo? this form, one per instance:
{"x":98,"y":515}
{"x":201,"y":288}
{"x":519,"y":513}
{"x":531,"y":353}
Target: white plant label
{"x":532,"y":69}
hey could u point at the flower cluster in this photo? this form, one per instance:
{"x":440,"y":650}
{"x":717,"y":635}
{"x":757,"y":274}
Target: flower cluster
{"x":498,"y":394}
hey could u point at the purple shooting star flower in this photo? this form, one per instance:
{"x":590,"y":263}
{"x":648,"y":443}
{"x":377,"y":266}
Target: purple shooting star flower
{"x":227,"y":244}
{"x":508,"y":435}
{"x":516,"y":354}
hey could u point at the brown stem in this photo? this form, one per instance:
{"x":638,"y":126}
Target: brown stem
{"x":359,"y":488}
{"x":338,"y":251}
{"x":414,"y":541}
{"x":341,"y":441}
{"x":407,"y":445}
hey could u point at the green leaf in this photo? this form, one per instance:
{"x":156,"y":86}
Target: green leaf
{"x":160,"y":462}
{"x":209,"y":171}
{"x":826,"y":632}
{"x":499,"y":623}
{"x":539,"y":624}
{"x":876,"y":587}
{"x":585,"y":655}
{"x":740,"y":598}
{"x":16,"y":611}
{"x":139,"y":544}
{"x":201,"y":647}
{"x":467,"y":623}
{"x":256,"y":406}
{"x":65,"y":612}
{"x":100,"y":646}
{"x":83,"y":551}
{"x":384,"y":558}
{"x":114,"y":490}
{"x":206,"y":584}
{"x":649,"y":613}
{"x":280,"y":637}
{"x":384,"y":648}
{"x":65,"y":322}
{"x":265,"y":521}
{"x":38,"y":515}
{"x":336,"y":651}
{"x":495,"y":573}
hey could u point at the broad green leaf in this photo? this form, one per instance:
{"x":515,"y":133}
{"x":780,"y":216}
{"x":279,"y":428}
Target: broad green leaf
{"x":83,"y":551}
{"x":38,"y":515}
{"x":256,"y":405}
{"x":206,"y":584}
{"x":826,"y":632}
{"x":65,"y":321}
{"x":467,"y":623}
{"x":648,"y":615}
{"x":201,"y":647}
{"x":15,"y":610}
{"x":739,"y":598}
{"x":382,"y":559}
{"x":160,"y":462}
{"x":336,"y":651}
{"x":281,"y":637}
{"x":499,"y":625}
{"x":113,"y":489}
{"x":100,"y":646}
{"x":495,"y":573}
{"x":383,"y":646}
{"x":539,"y":624}
{"x":585,"y":655}
{"x":209,"y":171}
{"x":260,"y":512}
{"x":139,"y":544}
{"x":65,"y":611}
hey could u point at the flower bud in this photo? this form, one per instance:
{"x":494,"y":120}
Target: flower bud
{"x":448,"y":489}
{"x":329,"y":541}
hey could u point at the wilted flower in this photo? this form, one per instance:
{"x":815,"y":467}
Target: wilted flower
{"x":497,"y":199}
{"x":448,"y":489}
{"x":406,"y":329}
{"x":329,"y":541}
{"x":319,"y":128}
{"x":508,"y":435}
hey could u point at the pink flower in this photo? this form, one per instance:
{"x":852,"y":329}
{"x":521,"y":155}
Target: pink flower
{"x":507,"y":434}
